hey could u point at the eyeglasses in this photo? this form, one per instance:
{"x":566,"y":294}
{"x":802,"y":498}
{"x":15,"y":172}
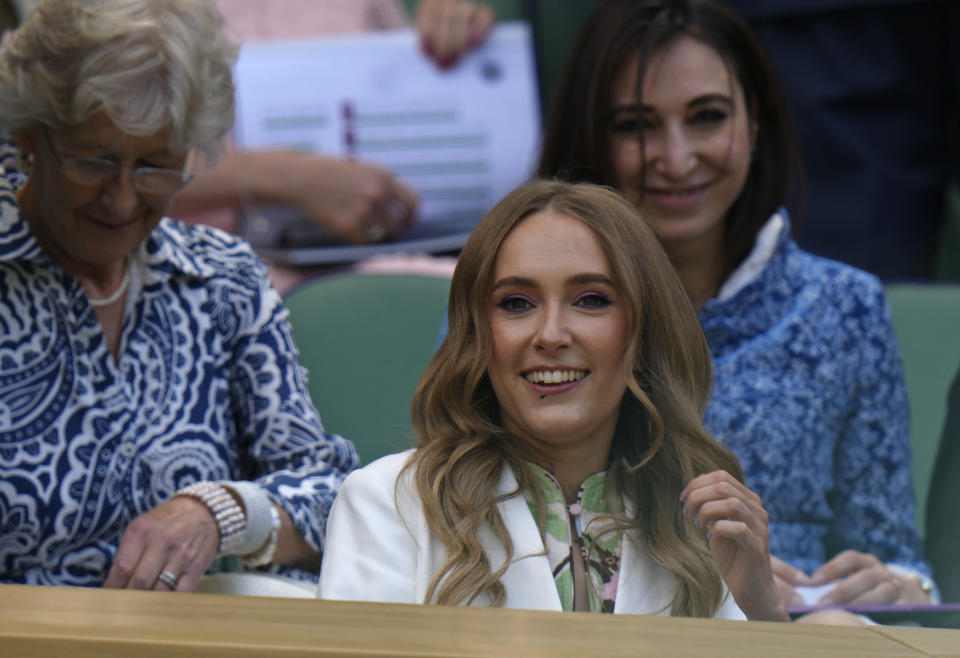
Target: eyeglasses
{"x":85,"y":170}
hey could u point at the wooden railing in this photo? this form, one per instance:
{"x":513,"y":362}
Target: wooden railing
{"x":46,"y":621}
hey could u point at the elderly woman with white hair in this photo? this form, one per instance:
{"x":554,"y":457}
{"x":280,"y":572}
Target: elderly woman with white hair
{"x":152,"y":411}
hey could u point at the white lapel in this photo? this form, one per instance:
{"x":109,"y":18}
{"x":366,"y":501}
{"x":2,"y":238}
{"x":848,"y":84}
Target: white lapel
{"x":644,"y":587}
{"x":528,"y":580}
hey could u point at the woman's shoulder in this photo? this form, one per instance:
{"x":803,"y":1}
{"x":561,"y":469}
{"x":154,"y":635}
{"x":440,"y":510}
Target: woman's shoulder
{"x":830,"y":282}
{"x":200,"y":238}
{"x":388,"y":464}
{"x":201,"y":250}
{"x":383,"y":483}
{"x":382,"y":471}
{"x":830,"y":273}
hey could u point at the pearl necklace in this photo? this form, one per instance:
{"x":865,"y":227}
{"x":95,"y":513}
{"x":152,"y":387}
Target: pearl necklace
{"x":117,"y":294}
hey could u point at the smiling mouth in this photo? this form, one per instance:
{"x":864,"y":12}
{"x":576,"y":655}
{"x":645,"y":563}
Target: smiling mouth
{"x":111,"y":225}
{"x":554,"y":377}
{"x":678,"y":193}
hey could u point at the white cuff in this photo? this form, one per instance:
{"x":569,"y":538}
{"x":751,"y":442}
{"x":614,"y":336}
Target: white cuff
{"x":256,"y":504}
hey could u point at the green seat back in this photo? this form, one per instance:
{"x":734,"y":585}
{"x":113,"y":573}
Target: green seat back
{"x":927,"y":321}
{"x":504,"y":10}
{"x":365,"y":339}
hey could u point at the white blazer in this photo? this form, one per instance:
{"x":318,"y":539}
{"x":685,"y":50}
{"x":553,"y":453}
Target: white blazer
{"x":379,"y":548}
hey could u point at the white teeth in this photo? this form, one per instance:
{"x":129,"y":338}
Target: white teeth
{"x":554,"y":376}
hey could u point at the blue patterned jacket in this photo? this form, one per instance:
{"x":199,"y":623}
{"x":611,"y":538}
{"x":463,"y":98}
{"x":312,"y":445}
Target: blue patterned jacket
{"x":809,"y":393}
{"x":206,"y":387}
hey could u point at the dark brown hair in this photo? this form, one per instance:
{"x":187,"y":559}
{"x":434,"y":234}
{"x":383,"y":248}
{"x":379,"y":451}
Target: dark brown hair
{"x":577,"y":137}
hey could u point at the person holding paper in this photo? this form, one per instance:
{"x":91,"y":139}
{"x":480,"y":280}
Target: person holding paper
{"x":675,"y":104}
{"x":152,"y":411}
{"x":360,"y":201}
{"x":561,"y":460}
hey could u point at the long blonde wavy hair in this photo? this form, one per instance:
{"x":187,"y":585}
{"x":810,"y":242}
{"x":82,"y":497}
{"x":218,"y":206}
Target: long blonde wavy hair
{"x":659,"y":443}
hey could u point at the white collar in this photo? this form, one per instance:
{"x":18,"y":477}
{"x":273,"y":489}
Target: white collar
{"x":763,"y":250}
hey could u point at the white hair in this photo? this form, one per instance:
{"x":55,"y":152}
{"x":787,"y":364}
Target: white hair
{"x":149,"y":65}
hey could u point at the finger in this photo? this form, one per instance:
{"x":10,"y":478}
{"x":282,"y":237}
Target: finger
{"x":738,"y":531}
{"x":788,"y":573}
{"x":406,"y":194}
{"x":448,"y":31}
{"x":873,"y":586}
{"x":185,"y":567}
{"x":167,"y":578}
{"x":885,"y":593}
{"x":171,"y":561}
{"x":450,"y":40}
{"x":152,"y":561}
{"x":178,"y":536}
{"x":392,"y":214}
{"x":789,"y":593}
{"x":734,"y":494}
{"x":480,"y":24}
{"x":190,"y":578}
{"x":842,"y":565}
{"x":735,"y":542}
{"x":430,"y":16}
{"x":191,"y":551}
{"x":132,"y":545}
{"x":364,"y":214}
{"x":707,"y":480}
{"x":846,"y":589}
{"x":402,"y":206}
{"x":188,"y":565}
{"x":724,"y":501}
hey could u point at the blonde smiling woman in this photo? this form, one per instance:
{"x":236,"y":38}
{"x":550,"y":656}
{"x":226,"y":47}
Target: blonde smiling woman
{"x":561,"y":461}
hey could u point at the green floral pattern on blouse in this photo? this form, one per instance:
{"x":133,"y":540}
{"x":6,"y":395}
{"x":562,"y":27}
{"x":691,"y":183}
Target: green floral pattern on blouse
{"x":601,"y":550}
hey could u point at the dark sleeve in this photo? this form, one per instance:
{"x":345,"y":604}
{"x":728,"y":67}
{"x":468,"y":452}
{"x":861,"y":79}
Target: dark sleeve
{"x":943,"y":504}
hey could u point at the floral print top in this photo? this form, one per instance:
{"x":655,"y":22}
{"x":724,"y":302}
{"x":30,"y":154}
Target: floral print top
{"x":809,"y":394}
{"x":592,"y":535}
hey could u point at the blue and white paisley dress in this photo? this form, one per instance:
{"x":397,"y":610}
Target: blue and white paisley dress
{"x":206,"y":387}
{"x":809,"y":393}
{"x":8,"y":160}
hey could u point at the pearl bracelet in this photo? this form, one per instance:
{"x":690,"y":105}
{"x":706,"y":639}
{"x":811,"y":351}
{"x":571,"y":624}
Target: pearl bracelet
{"x":231,"y":521}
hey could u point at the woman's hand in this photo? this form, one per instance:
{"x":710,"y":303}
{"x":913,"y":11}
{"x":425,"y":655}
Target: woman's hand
{"x":449,"y":28}
{"x":788,"y":578}
{"x":179,"y":536}
{"x":862,"y":579}
{"x":736,"y":524}
{"x":359,"y":201}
